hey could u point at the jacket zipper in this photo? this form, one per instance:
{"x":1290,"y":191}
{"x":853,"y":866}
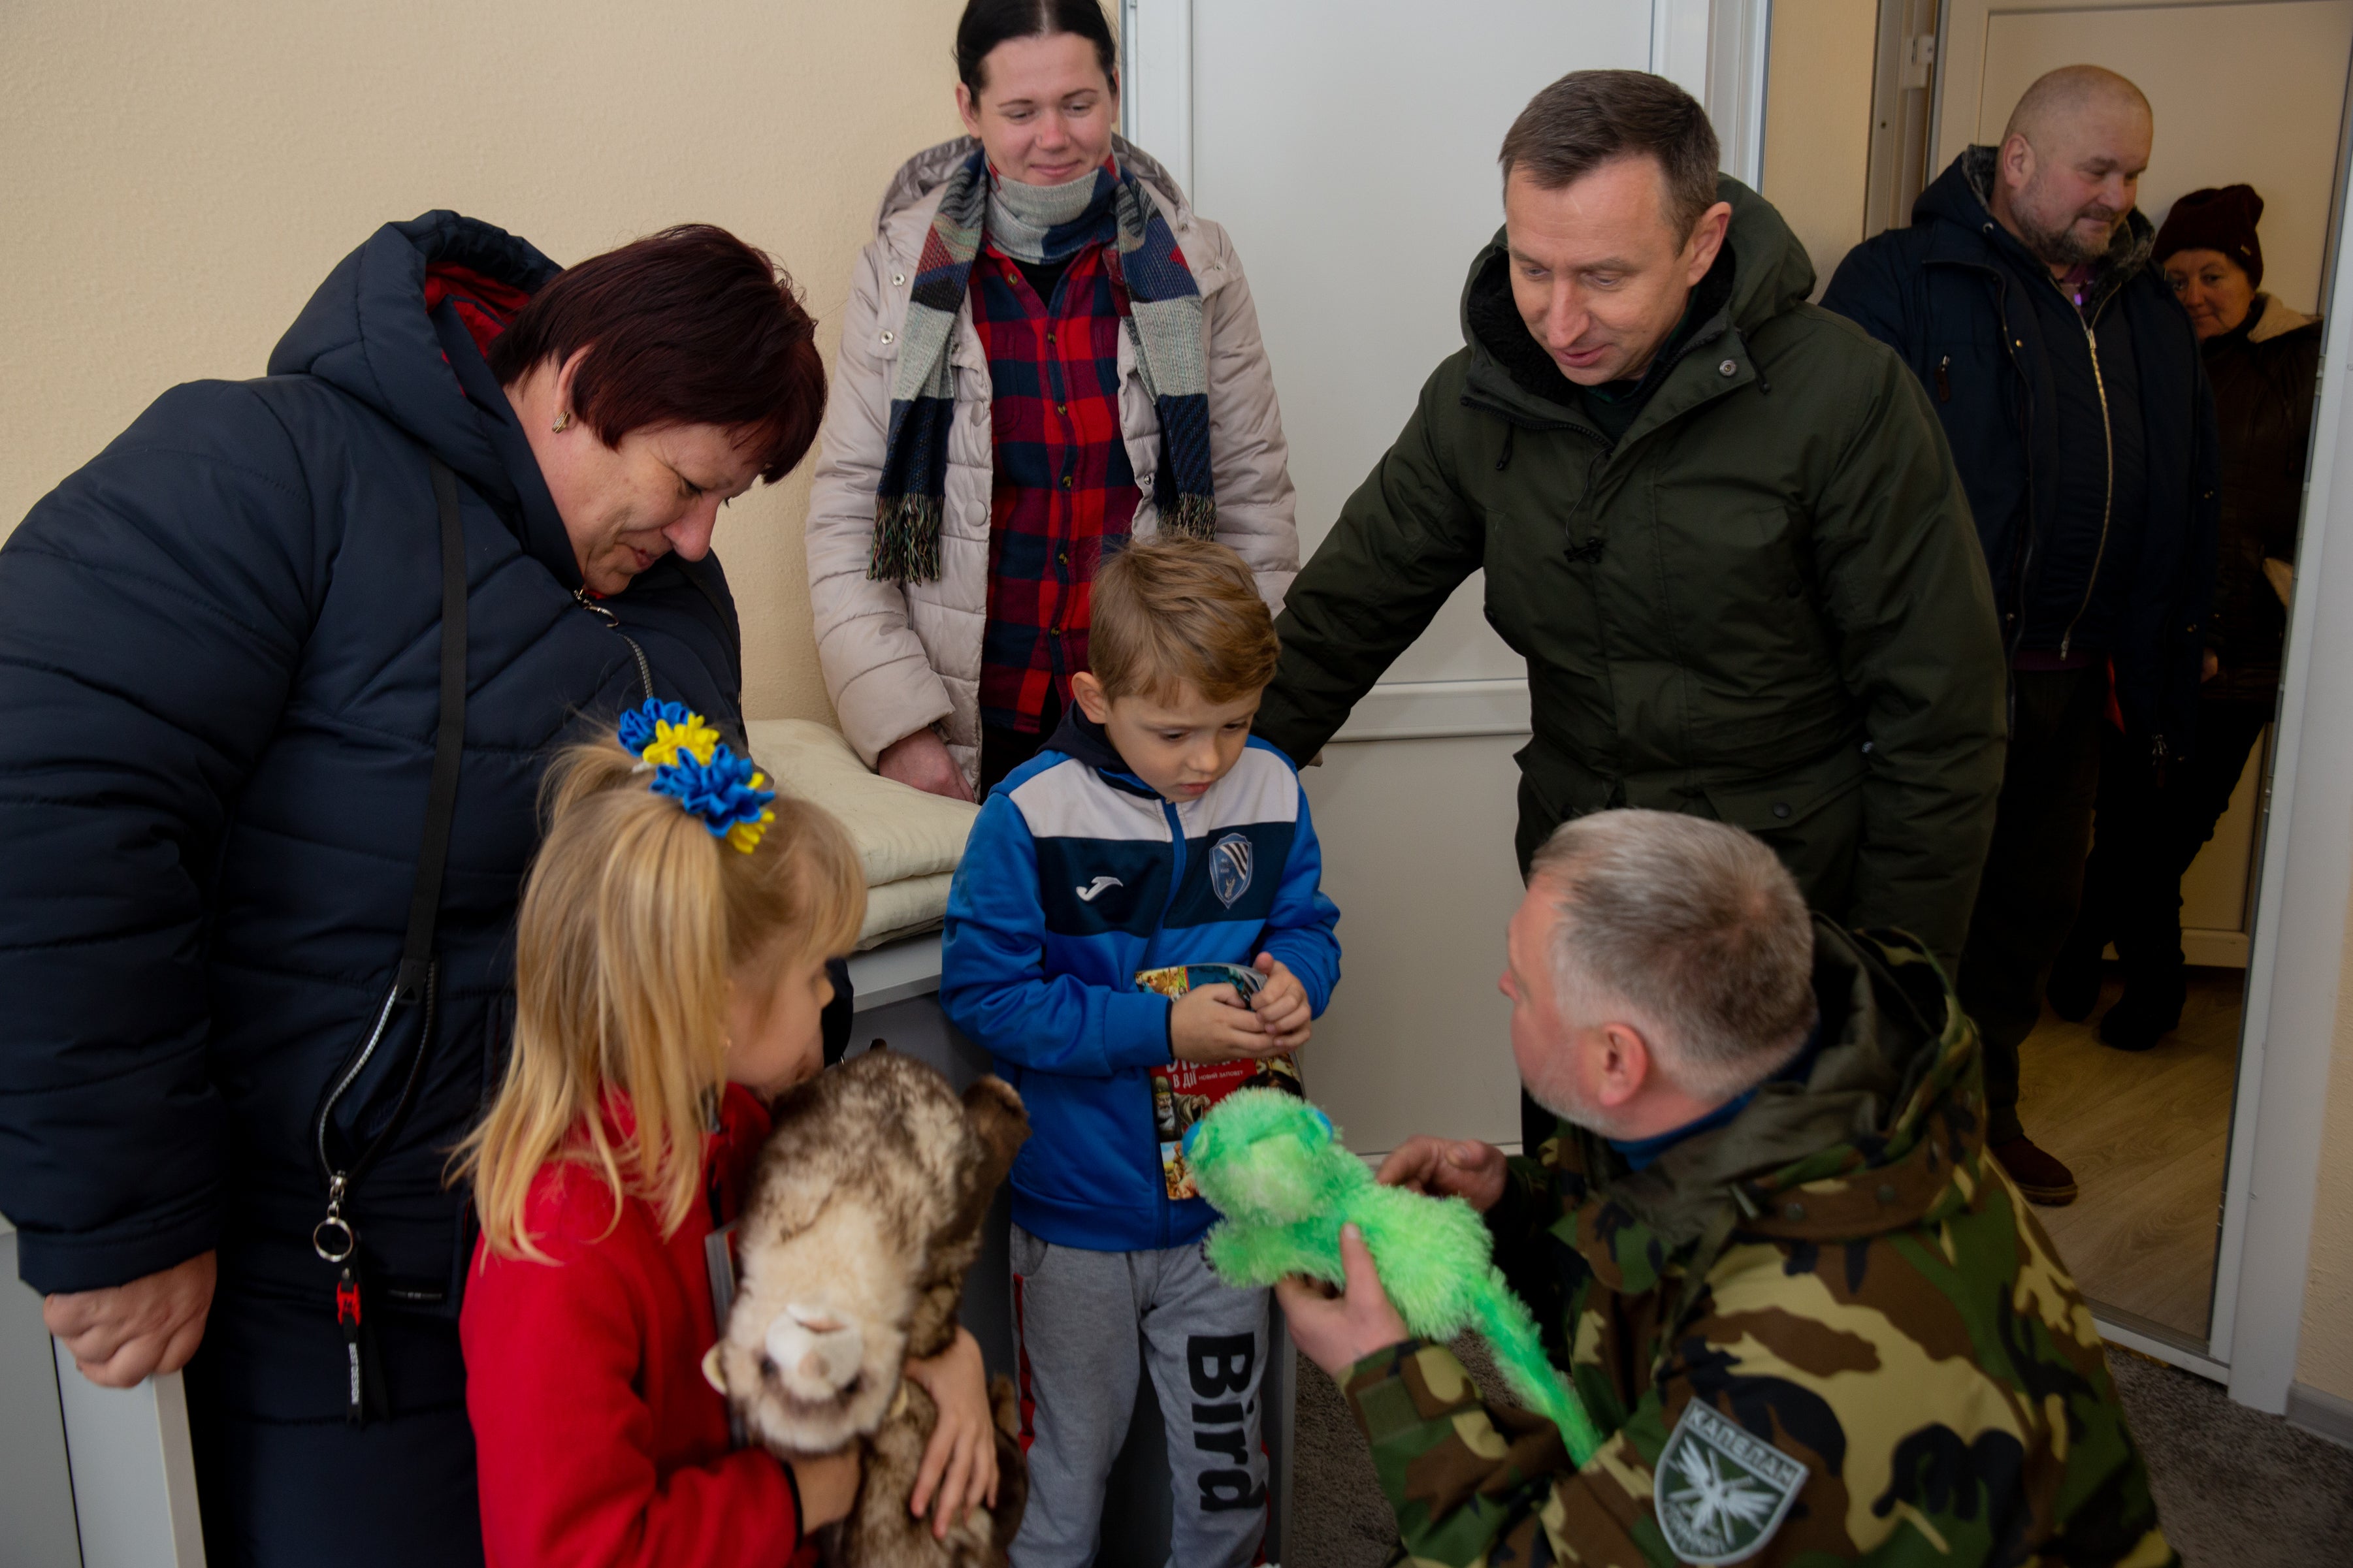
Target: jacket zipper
{"x":645,"y":670}
{"x":2017,"y":637}
{"x":1175,"y":881}
{"x":2108,"y":498}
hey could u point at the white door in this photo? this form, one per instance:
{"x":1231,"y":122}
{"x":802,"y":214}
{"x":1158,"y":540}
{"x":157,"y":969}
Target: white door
{"x":1349,"y":148}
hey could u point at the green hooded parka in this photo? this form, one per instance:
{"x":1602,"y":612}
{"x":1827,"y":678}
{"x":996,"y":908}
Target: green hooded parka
{"x":1765,"y":603}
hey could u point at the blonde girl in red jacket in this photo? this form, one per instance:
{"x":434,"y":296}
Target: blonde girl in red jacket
{"x":670,"y":969}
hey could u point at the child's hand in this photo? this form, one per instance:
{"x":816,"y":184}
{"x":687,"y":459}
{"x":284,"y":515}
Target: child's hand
{"x":964,"y":1442}
{"x":1281,"y":1003}
{"x":1211,"y":1025}
{"x":827,"y":1484}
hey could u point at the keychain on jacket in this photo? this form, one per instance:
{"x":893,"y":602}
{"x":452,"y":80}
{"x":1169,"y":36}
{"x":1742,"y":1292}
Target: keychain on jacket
{"x":415,"y":985}
{"x":333,"y":1238}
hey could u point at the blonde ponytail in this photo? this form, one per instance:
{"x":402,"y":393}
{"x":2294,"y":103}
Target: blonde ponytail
{"x":634,"y":918}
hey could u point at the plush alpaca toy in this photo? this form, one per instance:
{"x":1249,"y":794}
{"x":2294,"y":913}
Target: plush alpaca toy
{"x":864,"y":1216}
{"x":1273,"y":1167}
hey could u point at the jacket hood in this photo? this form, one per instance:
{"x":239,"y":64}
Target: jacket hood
{"x":368,"y":332}
{"x":1963,"y":195}
{"x":1081,"y":737}
{"x":1885,"y":1099}
{"x":2278,"y":320}
{"x":1773,"y":274}
{"x":1770,"y":274}
{"x":928,"y":170}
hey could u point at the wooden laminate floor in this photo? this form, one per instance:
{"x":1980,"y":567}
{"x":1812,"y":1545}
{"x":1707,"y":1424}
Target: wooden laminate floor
{"x":2146,"y":1135}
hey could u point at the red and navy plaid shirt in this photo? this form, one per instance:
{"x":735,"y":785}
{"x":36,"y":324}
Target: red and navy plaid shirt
{"x":1064,"y":485}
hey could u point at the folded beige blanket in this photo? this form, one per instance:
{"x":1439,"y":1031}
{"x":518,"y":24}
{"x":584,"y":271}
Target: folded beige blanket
{"x":904,"y":907}
{"x":909,"y":841}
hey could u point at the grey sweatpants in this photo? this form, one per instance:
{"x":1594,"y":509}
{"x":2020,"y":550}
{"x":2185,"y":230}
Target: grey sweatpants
{"x":1076,"y":1319}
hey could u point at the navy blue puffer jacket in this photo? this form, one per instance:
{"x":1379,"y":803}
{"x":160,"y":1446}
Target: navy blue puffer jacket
{"x":220,"y":645}
{"x":1941,"y":293}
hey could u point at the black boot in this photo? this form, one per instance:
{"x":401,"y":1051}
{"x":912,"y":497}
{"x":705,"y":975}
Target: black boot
{"x":2149,"y":1011}
{"x":2039,"y":1175}
{"x":2074,"y":987}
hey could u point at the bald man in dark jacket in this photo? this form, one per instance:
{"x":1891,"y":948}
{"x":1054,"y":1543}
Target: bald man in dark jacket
{"x":2068,"y":382}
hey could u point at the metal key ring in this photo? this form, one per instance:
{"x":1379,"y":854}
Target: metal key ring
{"x":320,"y":1238}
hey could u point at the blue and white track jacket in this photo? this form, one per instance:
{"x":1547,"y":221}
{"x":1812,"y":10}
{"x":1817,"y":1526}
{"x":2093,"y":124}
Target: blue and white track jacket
{"x":1078,"y":874}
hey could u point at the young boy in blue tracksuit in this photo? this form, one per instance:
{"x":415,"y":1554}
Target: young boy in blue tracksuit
{"x":1152,"y":831}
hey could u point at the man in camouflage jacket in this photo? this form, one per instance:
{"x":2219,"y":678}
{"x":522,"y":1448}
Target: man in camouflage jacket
{"x":1815,"y":1323}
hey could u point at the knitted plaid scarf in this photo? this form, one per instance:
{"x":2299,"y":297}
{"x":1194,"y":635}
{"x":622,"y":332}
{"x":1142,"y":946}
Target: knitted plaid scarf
{"x":1040,"y":223}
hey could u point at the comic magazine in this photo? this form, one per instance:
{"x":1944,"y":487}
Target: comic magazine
{"x":1182,"y":1092}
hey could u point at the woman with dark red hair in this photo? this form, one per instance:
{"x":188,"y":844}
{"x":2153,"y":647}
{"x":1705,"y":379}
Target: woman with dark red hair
{"x":284,"y":663}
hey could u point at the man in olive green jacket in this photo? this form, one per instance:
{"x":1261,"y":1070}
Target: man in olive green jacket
{"x":1722,"y":526}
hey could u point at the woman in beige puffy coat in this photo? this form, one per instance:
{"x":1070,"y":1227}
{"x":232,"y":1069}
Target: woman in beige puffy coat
{"x":902,"y":649}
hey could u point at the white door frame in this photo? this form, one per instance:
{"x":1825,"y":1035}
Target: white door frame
{"x":2298,"y":959}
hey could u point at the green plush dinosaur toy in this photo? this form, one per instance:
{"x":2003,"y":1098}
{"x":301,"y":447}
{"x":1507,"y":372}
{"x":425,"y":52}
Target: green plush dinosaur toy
{"x":1273,"y":1167}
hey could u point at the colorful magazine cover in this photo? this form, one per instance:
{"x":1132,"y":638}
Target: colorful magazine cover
{"x":1182,"y":1092}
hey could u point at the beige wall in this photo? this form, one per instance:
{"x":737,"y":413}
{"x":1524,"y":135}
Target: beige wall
{"x":2325,"y":1350}
{"x":1818,"y":123}
{"x":181,"y":177}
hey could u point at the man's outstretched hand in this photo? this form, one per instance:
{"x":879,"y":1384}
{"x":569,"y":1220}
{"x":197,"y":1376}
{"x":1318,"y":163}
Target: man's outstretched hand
{"x":120,"y":1335}
{"x":1443,"y":1168}
{"x":1337,"y":1330}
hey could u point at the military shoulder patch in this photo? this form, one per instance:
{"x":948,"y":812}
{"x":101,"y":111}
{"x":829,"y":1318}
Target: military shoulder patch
{"x":1721,"y":1493}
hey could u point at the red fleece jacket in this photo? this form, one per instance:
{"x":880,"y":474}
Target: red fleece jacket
{"x":598,"y":1441}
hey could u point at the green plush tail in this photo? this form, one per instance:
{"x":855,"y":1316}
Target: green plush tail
{"x":1503,"y":1321}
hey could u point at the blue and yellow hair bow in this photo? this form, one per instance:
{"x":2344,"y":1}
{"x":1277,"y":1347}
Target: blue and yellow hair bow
{"x":693,"y":766}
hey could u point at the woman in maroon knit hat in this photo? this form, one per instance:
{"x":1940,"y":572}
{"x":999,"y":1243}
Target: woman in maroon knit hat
{"x":2262,"y":358}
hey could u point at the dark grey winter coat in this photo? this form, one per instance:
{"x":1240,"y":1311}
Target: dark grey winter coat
{"x":1943,"y":294}
{"x":221,"y":646}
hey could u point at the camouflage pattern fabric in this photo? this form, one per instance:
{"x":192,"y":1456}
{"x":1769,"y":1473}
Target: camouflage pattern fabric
{"x":1829,"y":1332}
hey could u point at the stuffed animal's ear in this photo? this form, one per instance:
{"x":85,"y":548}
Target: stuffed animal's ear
{"x":999,"y":1127}
{"x":1000,"y":1123}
